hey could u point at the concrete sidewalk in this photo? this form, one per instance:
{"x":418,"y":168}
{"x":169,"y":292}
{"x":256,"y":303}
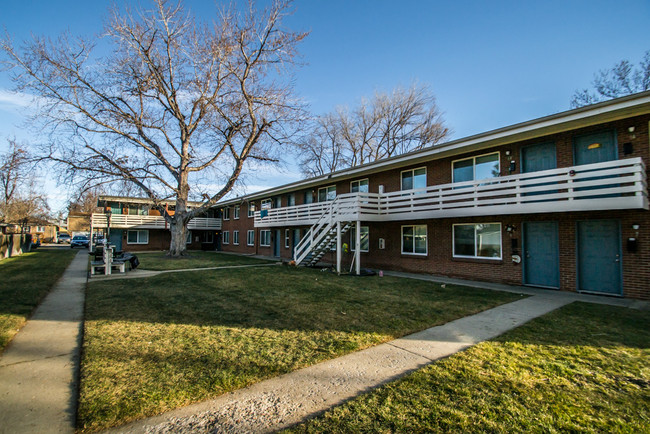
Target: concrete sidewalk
{"x":280,"y":402}
{"x":38,"y":370}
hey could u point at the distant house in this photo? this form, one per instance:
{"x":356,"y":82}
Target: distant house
{"x":132,"y":224}
{"x":78,"y":223}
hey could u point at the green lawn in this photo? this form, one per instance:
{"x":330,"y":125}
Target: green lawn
{"x":159,"y":261}
{"x":159,"y":343}
{"x":584,"y":368}
{"x":26,"y":279}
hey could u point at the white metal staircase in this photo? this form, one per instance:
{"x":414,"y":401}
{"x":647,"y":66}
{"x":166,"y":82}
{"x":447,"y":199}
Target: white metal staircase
{"x":321,"y":237}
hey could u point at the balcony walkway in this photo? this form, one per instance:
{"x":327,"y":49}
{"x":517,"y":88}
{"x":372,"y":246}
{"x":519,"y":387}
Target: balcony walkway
{"x":127,"y":221}
{"x":618,"y":184}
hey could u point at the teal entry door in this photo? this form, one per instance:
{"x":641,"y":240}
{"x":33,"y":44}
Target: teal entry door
{"x":599,"y":256}
{"x":538,"y":157}
{"x":541,"y":254}
{"x":595,"y":148}
{"x":116,"y":239}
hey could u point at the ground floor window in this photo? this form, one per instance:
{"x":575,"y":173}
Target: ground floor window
{"x":265,"y":238}
{"x":137,"y":237}
{"x":477,"y":240}
{"x":286,"y":238}
{"x":235,"y":237}
{"x":414,"y":239}
{"x":188,"y":239}
{"x":225,"y":237}
{"x":250,"y":238}
{"x":365,"y":238}
{"x":208,"y":237}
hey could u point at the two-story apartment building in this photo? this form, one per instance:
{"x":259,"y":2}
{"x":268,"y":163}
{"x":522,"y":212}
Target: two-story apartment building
{"x":133,"y":224}
{"x":556,"y":202}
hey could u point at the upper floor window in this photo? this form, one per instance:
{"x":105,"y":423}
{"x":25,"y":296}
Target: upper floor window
{"x":236,"y":216}
{"x":414,"y":178}
{"x":360,"y":186}
{"x":251,"y":210}
{"x":291,"y":199}
{"x":327,"y":193}
{"x":226,"y":213}
{"x":476,"y":168}
{"x":266,"y":204}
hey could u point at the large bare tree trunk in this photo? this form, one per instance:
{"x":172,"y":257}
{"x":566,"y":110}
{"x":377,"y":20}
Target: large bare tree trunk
{"x":178,"y":246}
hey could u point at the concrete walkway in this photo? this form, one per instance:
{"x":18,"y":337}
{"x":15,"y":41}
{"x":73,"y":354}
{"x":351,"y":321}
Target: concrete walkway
{"x":139,"y":273}
{"x":38,"y":370}
{"x":286,"y":400}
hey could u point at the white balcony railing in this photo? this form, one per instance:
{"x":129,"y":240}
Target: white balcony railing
{"x":619,"y":184}
{"x":125,"y":221}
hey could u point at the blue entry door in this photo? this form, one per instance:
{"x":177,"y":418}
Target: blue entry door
{"x":538,"y":157}
{"x":541,"y":254}
{"x":595,"y":148}
{"x":599,"y":256}
{"x":276,"y":242}
{"x":116,"y":239}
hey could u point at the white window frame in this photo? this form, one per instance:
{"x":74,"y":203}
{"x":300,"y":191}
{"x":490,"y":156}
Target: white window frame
{"x":326,"y":193}
{"x":251,"y":209}
{"x":139,"y":232}
{"x":225,"y":237}
{"x":353,"y":238}
{"x":236,"y":213}
{"x":401,"y":177}
{"x":235,"y":238}
{"x":266,"y":204}
{"x":250,"y":237}
{"x":265,"y":238}
{"x":498,"y":153}
{"x":475,"y":256}
{"x":226,"y":213}
{"x":358,"y":182}
{"x":287,"y":239}
{"x":426,"y":245}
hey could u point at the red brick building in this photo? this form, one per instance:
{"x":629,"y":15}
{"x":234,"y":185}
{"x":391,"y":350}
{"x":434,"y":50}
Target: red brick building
{"x":558,"y":202}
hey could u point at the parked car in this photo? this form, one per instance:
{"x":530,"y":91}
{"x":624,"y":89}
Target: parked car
{"x":79,"y":241}
{"x":63,"y":238}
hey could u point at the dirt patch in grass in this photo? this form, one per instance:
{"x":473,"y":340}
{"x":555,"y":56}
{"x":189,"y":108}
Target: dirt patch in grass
{"x":583,"y":368}
{"x":172,"y":340}
{"x":26,"y":279}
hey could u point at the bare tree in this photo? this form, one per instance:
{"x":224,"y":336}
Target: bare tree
{"x":390,"y":124}
{"x":176,"y":108}
{"x":623,"y":79}
{"x":20,"y":201}
{"x":85,"y":200}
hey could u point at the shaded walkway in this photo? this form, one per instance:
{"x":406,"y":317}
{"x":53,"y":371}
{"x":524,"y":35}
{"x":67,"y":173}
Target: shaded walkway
{"x":38,"y":370}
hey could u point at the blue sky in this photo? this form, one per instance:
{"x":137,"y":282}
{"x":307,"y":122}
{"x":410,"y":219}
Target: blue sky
{"x":490,"y":63}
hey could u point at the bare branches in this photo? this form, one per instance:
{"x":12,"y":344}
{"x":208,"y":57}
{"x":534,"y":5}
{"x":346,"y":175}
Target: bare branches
{"x":174,"y":97}
{"x":389,"y":124}
{"x":622,"y":79}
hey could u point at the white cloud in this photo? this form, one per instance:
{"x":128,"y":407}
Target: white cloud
{"x":10,"y":99}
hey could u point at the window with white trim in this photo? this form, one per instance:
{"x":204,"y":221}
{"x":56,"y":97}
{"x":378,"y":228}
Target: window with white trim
{"x":236,"y":213}
{"x":414,"y":239}
{"x":477,"y":240}
{"x":476,"y":168}
{"x":291,"y":199}
{"x":365,"y":238}
{"x":265,"y":238}
{"x":225,"y":237}
{"x":251,"y":210}
{"x":235,"y":238}
{"x":266,"y":204}
{"x":359,"y":186}
{"x":137,"y":237}
{"x":286,"y":238}
{"x":414,"y":178}
{"x":327,"y":193}
{"x":226,"y":213}
{"x":250,"y":238}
